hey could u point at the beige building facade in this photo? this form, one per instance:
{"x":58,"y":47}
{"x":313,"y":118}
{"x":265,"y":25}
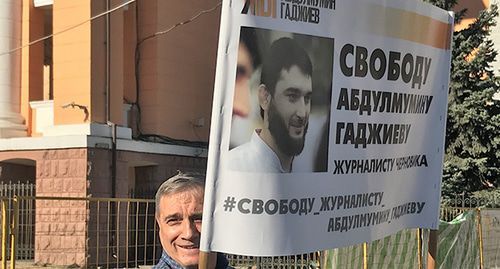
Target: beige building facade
{"x":108,"y":105}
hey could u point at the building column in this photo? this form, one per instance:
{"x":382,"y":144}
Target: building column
{"x":11,"y":121}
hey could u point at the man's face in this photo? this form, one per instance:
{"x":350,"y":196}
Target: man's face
{"x":244,"y":70}
{"x":179,"y":219}
{"x":289,"y":110}
{"x":241,"y":101}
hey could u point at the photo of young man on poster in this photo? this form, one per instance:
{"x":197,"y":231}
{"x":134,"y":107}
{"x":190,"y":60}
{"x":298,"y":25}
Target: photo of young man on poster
{"x":284,"y":97}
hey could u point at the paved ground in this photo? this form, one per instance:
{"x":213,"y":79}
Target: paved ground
{"x":32,"y":265}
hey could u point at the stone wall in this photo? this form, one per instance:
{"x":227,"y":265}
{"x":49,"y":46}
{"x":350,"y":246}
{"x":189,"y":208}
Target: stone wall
{"x":61,"y":225}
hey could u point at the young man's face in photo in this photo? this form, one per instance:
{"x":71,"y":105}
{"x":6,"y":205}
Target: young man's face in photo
{"x":244,"y":70}
{"x":289,"y":110}
{"x":241,"y":101}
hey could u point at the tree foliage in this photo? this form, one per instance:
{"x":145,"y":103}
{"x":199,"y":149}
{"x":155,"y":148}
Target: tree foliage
{"x":472,"y":147}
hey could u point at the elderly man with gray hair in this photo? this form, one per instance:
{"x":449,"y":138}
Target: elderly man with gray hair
{"x":179,"y":207}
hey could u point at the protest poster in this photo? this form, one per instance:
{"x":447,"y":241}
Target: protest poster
{"x":327,"y":125}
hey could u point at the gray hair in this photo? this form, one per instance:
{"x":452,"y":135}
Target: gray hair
{"x":179,"y":183}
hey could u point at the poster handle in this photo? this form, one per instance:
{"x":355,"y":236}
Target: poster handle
{"x":432,"y":253}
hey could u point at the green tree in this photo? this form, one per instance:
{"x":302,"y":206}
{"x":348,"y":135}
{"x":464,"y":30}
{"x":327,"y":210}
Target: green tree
{"x":472,"y":150}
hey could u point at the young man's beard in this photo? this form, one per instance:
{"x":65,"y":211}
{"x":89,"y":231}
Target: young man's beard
{"x":279,"y":130}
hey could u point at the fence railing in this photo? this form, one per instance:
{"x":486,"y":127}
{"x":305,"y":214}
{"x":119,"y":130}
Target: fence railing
{"x":108,"y":232}
{"x":449,"y":213}
{"x":25,"y":241}
{"x":463,"y":201}
{"x":100,"y":232}
{"x":311,"y":260}
{"x":96,"y":232}
{"x":122,"y":233}
{"x":11,"y":189}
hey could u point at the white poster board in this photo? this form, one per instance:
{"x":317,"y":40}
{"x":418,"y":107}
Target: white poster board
{"x":337,"y":135}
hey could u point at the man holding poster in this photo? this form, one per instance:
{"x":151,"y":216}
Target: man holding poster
{"x":179,"y":203}
{"x":285,"y":103}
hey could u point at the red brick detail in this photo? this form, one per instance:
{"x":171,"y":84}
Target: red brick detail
{"x":60,"y":231}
